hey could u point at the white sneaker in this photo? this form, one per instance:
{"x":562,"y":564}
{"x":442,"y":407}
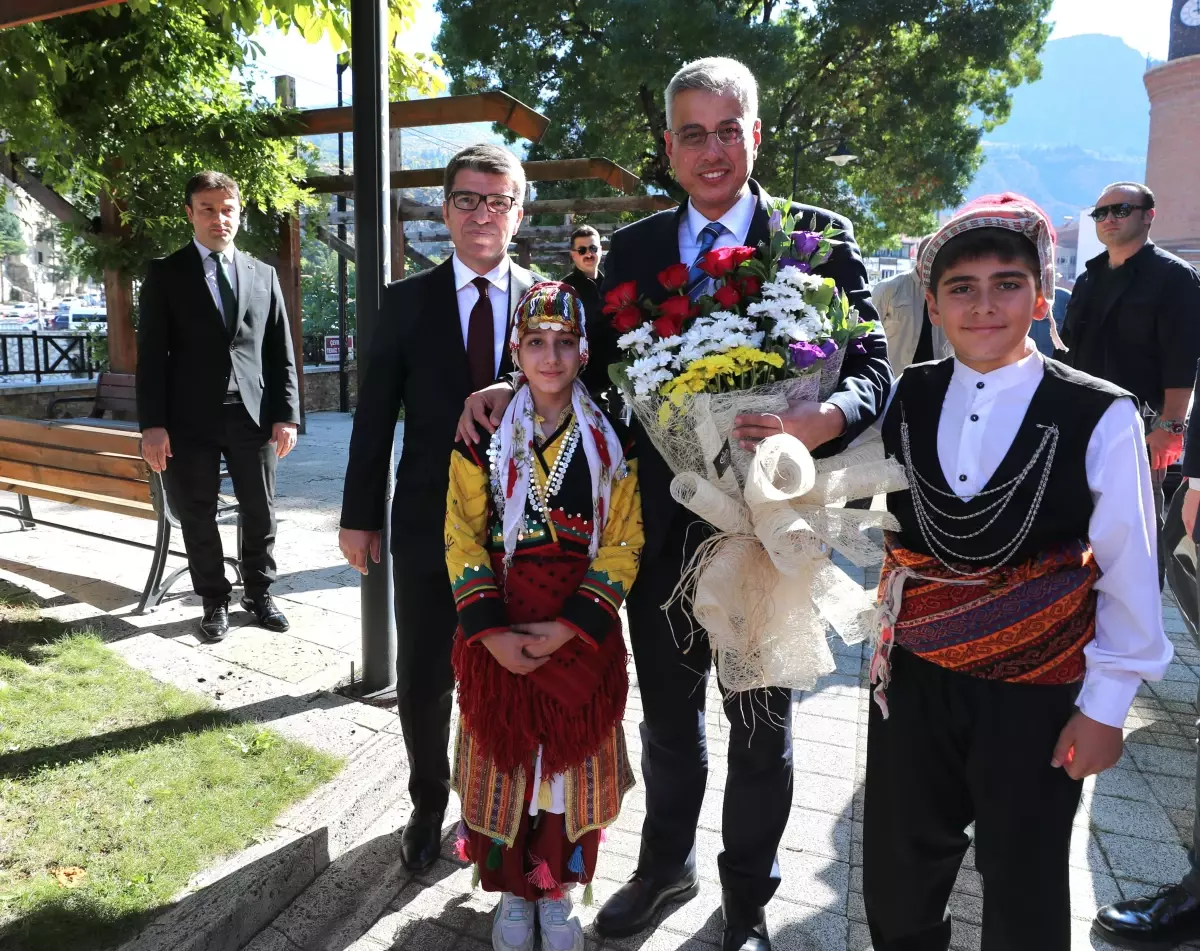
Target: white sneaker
{"x":513,"y":927}
{"x":561,"y":930}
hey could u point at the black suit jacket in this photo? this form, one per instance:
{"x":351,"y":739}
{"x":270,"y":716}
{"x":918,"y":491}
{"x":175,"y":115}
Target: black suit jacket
{"x":185,"y":351}
{"x":417,"y":361}
{"x":638,"y":252}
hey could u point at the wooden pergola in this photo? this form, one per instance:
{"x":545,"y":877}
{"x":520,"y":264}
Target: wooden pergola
{"x":20,"y":12}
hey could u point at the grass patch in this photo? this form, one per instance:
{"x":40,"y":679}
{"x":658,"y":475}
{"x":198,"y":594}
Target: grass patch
{"x":116,"y":789}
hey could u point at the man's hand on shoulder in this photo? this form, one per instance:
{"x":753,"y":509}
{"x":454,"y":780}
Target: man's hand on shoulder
{"x":283,"y":437}
{"x":156,"y":447}
{"x":483,"y":409}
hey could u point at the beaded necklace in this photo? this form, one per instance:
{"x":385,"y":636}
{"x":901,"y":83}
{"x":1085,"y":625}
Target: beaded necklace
{"x":539,"y":501}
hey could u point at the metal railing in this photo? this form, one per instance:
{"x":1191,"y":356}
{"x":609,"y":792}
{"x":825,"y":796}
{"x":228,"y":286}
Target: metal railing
{"x":39,"y":354}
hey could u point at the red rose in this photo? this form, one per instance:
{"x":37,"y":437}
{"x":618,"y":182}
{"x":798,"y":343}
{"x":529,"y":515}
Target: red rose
{"x":718,"y":262}
{"x":667,"y":326}
{"x":626,"y":319}
{"x":674,"y":278}
{"x":623,"y":295}
{"x":678,"y":308}
{"x":751,"y":285}
{"x":727,"y":296}
{"x":512,"y":478}
{"x":741,"y":255}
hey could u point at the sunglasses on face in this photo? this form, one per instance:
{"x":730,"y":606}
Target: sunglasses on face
{"x":469,"y":201}
{"x":588,"y":249}
{"x":1120,"y":210}
{"x":695,"y":137}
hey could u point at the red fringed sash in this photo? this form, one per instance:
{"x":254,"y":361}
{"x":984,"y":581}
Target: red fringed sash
{"x":570,"y":704}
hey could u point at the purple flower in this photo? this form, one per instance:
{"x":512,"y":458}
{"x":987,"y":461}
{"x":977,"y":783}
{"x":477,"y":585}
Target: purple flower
{"x":829,"y":348}
{"x":802,"y":266}
{"x":775,"y":222}
{"x":805,"y":243}
{"x":858,"y":345}
{"x":804,"y":355}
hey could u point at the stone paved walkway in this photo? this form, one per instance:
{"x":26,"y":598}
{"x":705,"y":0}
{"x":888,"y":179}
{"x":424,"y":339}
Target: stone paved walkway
{"x":1129,"y":835}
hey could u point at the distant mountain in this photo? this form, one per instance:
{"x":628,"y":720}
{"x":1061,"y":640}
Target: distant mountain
{"x":1084,"y":124}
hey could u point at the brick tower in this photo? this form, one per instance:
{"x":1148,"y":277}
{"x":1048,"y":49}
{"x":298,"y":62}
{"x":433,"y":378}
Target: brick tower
{"x":1173,"y":156}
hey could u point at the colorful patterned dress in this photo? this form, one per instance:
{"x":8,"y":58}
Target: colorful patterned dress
{"x":540,"y":762}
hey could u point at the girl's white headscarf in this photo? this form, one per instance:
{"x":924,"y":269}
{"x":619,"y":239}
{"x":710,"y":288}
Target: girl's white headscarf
{"x":550,"y":305}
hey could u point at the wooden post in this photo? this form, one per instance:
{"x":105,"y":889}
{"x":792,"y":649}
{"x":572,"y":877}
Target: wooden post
{"x":289,"y":259}
{"x":396,"y":211}
{"x":118,"y":294}
{"x":524,"y":251}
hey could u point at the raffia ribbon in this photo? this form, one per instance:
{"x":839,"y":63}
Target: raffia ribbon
{"x":764,"y":586}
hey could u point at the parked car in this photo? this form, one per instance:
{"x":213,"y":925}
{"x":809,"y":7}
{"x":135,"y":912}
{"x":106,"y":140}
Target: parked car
{"x":79,"y":318}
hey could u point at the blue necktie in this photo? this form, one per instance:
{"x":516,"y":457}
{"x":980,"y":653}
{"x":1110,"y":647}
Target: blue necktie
{"x":708,"y":237}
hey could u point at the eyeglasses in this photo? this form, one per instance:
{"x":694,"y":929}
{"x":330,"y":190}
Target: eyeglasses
{"x":587,"y":249}
{"x":1120,"y":210}
{"x":694,"y":137}
{"x":469,"y":201}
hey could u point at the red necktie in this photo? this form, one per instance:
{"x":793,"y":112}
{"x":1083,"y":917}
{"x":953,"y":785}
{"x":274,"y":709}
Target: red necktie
{"x":481,"y":356}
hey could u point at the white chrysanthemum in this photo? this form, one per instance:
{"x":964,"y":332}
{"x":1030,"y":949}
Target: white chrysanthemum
{"x":637,"y":340}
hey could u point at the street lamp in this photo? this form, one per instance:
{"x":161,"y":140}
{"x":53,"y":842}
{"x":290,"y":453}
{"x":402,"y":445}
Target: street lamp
{"x":841,"y":157}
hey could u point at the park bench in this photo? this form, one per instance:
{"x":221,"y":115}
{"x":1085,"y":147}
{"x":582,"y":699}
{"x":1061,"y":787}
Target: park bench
{"x":115,"y":393}
{"x":96,"y":465}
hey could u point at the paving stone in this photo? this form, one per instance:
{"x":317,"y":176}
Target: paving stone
{"x":1151,"y":862}
{"x":1143,"y":820}
{"x":1174,"y":792}
{"x":818,"y":833}
{"x":1170,"y":762}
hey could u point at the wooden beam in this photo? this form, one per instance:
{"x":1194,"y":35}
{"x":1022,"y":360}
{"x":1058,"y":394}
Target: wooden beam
{"x":346,"y":250}
{"x":494,"y":106}
{"x":601,"y":169}
{"x":541,"y":233}
{"x":396,"y":211}
{"x":20,"y":12}
{"x":12,"y":169}
{"x":118,"y":293}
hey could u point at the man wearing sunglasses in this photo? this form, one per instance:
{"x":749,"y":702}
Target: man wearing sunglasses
{"x":442,"y":334}
{"x":1134,"y":320}
{"x":586,"y":276}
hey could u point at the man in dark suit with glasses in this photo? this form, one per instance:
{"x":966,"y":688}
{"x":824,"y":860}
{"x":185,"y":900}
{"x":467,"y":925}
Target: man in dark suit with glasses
{"x":1134,"y":320}
{"x":586,"y":276}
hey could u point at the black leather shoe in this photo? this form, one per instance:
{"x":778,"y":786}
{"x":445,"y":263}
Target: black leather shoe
{"x":268,"y":616}
{"x":745,"y":928}
{"x":421,"y":843}
{"x":1160,"y":921}
{"x":633,"y":906}
{"x":215,"y":623}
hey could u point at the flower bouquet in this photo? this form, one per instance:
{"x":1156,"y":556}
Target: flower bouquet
{"x":771,"y":331}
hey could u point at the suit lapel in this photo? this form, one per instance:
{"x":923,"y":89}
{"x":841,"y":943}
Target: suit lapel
{"x":519,"y":281}
{"x":440,"y":314}
{"x":759,"y":228}
{"x":246,"y":273}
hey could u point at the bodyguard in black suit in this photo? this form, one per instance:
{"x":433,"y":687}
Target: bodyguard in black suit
{"x":712,"y":142}
{"x":216,"y":376}
{"x":442,"y":334}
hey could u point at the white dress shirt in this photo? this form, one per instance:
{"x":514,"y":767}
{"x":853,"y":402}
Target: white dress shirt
{"x":210,"y":274}
{"x":975,"y":431}
{"x":468,"y":294}
{"x":737,"y":226}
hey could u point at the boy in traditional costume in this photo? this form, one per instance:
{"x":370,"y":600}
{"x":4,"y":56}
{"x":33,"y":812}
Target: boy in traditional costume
{"x":543,"y":537}
{"x":1020,"y":600}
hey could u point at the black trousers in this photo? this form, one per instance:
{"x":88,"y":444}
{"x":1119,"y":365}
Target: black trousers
{"x":758,"y":791}
{"x":425,"y":624}
{"x":957,"y":749}
{"x":193,"y":480}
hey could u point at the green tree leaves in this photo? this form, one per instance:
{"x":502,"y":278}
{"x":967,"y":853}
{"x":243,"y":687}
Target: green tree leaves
{"x":908,"y":84}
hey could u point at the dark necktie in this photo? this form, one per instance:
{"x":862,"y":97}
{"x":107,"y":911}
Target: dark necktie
{"x":228,"y":297}
{"x":708,"y":237}
{"x":481,"y":337}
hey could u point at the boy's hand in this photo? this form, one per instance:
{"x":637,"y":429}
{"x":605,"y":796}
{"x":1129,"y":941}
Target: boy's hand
{"x":508,"y":647}
{"x":1086,"y":747}
{"x":551,"y":635}
{"x":814,"y":424}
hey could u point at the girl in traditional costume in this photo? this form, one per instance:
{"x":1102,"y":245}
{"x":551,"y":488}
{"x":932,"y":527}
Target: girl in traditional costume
{"x":543,"y":536}
{"x":1020,"y":600}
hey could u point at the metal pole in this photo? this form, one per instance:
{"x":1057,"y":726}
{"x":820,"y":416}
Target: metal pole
{"x":343,"y":379}
{"x":372,"y":268}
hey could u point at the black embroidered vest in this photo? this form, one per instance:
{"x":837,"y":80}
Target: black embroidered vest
{"x":1067,"y":398}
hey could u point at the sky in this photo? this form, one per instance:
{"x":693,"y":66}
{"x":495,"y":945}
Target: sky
{"x":1147,"y":31}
